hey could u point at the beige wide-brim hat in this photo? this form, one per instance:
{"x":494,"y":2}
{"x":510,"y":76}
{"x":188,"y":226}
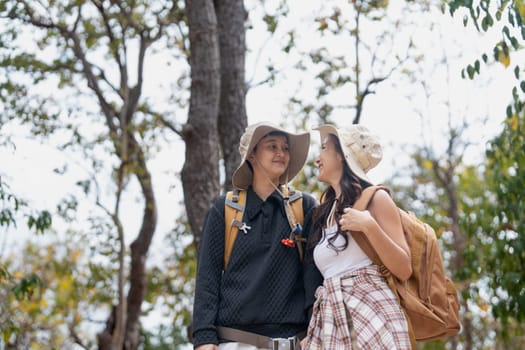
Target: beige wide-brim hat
{"x":298,"y":146}
{"x":361,"y":148}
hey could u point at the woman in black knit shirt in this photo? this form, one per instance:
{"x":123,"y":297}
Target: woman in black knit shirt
{"x":265,"y":295}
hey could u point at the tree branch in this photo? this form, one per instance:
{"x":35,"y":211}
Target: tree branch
{"x":109,"y":31}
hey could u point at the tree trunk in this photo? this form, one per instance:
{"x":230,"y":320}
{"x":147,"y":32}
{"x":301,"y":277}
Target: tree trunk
{"x":445,"y":178}
{"x":108,"y":339}
{"x":200,"y":173}
{"x":231,"y":16}
{"x":459,"y":246}
{"x":139,"y":251}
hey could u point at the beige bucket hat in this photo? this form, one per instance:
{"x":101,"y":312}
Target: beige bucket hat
{"x":298,"y":145}
{"x":361,"y":148}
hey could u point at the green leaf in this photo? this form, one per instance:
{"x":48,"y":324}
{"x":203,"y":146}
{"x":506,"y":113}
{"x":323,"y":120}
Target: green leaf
{"x":519,"y":11}
{"x":490,"y":20}
{"x":41,"y":223}
{"x":4,"y":273}
{"x":496,"y":52}
{"x":271,"y":23}
{"x":26,"y":287}
{"x":470,"y":71}
{"x":484,"y":24}
{"x":506,"y":31}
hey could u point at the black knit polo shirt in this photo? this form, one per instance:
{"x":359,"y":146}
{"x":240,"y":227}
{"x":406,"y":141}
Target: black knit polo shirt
{"x":265,"y":289}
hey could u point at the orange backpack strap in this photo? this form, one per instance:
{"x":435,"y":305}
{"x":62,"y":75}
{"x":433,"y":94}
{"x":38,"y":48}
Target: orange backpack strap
{"x":293,"y":205}
{"x":366,"y":196}
{"x":361,"y":204}
{"x":296,"y":202}
{"x":233,"y":211}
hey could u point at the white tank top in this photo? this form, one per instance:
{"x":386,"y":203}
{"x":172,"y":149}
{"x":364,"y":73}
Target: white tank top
{"x":332,"y":263}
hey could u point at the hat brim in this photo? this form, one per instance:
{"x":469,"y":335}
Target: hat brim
{"x":298,"y":148}
{"x":351,"y":161}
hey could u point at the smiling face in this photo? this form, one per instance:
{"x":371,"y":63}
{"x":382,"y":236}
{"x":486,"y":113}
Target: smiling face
{"x":271,"y":156}
{"x":330,"y":163}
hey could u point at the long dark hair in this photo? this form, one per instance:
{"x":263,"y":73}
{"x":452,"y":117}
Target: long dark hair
{"x":351,"y":188}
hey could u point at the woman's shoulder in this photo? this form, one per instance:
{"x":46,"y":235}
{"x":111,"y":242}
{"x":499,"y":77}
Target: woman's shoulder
{"x":381,"y":199}
{"x":382,"y":193}
{"x":218,"y":203}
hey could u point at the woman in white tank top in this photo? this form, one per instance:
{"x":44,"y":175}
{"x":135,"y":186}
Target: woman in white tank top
{"x":355,"y":308}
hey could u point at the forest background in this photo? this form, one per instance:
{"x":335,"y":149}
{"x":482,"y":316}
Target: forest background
{"x":120,"y":123}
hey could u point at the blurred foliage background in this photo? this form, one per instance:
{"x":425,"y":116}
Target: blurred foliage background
{"x":120,"y":90}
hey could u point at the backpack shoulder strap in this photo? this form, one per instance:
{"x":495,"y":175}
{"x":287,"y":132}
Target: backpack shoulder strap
{"x":296,"y":202}
{"x":233,"y":212}
{"x":366,"y":196}
{"x":361,"y":204}
{"x":293,"y":205}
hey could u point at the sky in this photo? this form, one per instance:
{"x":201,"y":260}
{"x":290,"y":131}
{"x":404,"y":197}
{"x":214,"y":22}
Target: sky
{"x":391,"y":113}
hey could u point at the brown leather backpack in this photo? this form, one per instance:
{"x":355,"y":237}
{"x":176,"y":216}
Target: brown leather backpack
{"x":429,"y":298}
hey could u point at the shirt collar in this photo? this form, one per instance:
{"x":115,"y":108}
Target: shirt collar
{"x":254,"y":203}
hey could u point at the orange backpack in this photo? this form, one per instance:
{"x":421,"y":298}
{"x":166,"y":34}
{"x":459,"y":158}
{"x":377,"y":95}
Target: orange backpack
{"x":428,"y":298}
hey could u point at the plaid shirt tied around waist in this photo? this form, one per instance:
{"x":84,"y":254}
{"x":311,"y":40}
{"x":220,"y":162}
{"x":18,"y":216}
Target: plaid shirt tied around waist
{"x":363,"y":299}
